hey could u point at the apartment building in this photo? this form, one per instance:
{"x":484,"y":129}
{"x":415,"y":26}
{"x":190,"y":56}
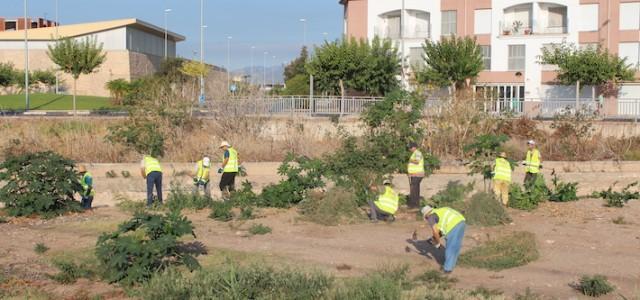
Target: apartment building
{"x":511,"y":33}
{"x":9,"y":24}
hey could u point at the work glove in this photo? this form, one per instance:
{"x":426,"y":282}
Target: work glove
{"x":220,"y":170}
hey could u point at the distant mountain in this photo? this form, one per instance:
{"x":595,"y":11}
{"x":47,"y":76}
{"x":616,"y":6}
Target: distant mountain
{"x":258,"y":73}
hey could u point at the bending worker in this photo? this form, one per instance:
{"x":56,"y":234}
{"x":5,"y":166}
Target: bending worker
{"x":415,"y":170}
{"x":87,"y":187}
{"x":502,"y":178}
{"x":229,"y":169}
{"x":450,"y":224}
{"x":532,"y":163}
{"x":151,"y":171}
{"x":201,"y":179}
{"x":387,"y":204}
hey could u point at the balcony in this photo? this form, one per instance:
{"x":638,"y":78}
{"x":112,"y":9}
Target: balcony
{"x":534,"y":19}
{"x":416,"y":25}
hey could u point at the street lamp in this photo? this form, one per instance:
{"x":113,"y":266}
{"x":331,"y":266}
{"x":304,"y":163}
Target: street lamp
{"x":253,"y":48}
{"x":264,"y":71}
{"x":57,"y":36}
{"x":273,"y":82}
{"x":304,"y":34}
{"x":229,"y":63}
{"x":166,"y":35}
{"x":26,"y":57}
{"x":202,"y":27}
{"x":325,"y":34}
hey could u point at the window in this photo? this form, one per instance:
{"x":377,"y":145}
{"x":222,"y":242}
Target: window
{"x":630,"y":52}
{"x":516,"y":57}
{"x":588,"y":17}
{"x":503,"y":97}
{"x":417,"y":24}
{"x":393,"y":26}
{"x":486,"y":56}
{"x":415,"y":58}
{"x":629,"y":13}
{"x":557,"y":16}
{"x":482,"y":21}
{"x":10,"y":25}
{"x":449,"y":22}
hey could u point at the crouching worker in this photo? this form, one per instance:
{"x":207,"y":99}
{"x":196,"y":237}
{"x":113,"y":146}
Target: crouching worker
{"x":87,"y":187}
{"x":201,"y":178}
{"x":387,"y":204}
{"x":449,"y":224}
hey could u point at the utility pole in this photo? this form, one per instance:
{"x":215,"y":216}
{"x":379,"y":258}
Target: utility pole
{"x":253,"y":48}
{"x":202,"y":26}
{"x":57,"y":37}
{"x":166,"y":34}
{"x":229,"y":63}
{"x":273,"y":82}
{"x":264,"y":71}
{"x":26,"y":57}
{"x":304,"y":32}
{"x":402,"y":44}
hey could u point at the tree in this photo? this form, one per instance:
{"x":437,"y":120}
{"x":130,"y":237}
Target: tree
{"x":7,"y":74}
{"x":118,"y":89}
{"x":451,"y":62}
{"x":76,"y":58}
{"x":297,"y":66}
{"x":372,"y":69}
{"x":297,"y":85}
{"x":194,"y":69}
{"x":589,"y":66}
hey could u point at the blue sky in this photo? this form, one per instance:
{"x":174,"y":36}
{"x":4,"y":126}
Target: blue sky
{"x":269,"y":25}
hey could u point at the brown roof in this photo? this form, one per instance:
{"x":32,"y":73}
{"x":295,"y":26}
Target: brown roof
{"x":74,"y":30}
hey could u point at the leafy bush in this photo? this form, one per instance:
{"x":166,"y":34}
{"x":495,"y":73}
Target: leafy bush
{"x":302,"y":174}
{"x":70,"y":272}
{"x":41,"y":183}
{"x":381,"y":284}
{"x":563,"y":191}
{"x":259,"y":229}
{"x":485,"y":210}
{"x":179,"y":199}
{"x":7,"y":74}
{"x":144,"y":245}
{"x":238,"y":282}
{"x":125,"y":174}
{"x":536,"y":191}
{"x":333,"y":207}
{"x":40,"y":248}
{"x":246,"y":213}
{"x":512,"y":250}
{"x":454,"y":192}
{"x":618,"y":199}
{"x":594,"y":286}
{"x":245,"y":196}
{"x":484,"y":151}
{"x":221,"y":211}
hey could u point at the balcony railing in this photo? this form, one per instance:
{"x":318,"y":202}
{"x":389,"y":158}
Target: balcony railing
{"x":533,"y":29}
{"x":418,"y":32}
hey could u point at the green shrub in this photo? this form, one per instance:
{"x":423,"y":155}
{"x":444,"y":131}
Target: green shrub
{"x":179,"y":199}
{"x":221,"y":211}
{"x":535,"y":192}
{"x":386,"y":283}
{"x":485,"y":210}
{"x":563,"y":191}
{"x":485,"y":293}
{"x":246,"y":213}
{"x":512,"y":250}
{"x":435,"y":280}
{"x":238,"y":282}
{"x":484,"y":150}
{"x":618,"y":199}
{"x":70,"y":272}
{"x":125,"y":174}
{"x":620,"y":221}
{"x":144,"y":245}
{"x":453,"y":193}
{"x":245,"y":196}
{"x":111,"y":174}
{"x":259,"y":229}
{"x":302,"y":174}
{"x":42,"y":183}
{"x":594,"y":286}
{"x":127,"y":205}
{"x":333,"y":207}
{"x":40,"y":248}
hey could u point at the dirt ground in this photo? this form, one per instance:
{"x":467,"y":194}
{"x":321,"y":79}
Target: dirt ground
{"x":574,"y":238}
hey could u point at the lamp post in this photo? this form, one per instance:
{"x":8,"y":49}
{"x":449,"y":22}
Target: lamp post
{"x":229,"y":63}
{"x":304,"y":32}
{"x":273,"y":82}
{"x":26,"y":57}
{"x":57,"y":36}
{"x":402,"y":44}
{"x":253,"y":48}
{"x":264,"y":71}
{"x":166,"y":34}
{"x":202,"y":27}
{"x":325,"y":34}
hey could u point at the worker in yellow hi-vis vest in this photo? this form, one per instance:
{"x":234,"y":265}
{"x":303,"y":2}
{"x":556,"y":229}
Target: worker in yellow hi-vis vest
{"x":202,"y":175}
{"x":151,"y":170}
{"x":229,"y":169}
{"x":532,"y":163}
{"x":449,"y":224}
{"x":385,"y":207}
{"x":502,"y":178}
{"x":415,"y":171}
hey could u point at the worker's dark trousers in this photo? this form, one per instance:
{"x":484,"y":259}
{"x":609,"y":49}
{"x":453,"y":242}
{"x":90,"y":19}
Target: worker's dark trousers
{"x":154,"y":178}
{"x":414,"y":191}
{"x":86,"y":202}
{"x":228,"y":182}
{"x":530,"y":177}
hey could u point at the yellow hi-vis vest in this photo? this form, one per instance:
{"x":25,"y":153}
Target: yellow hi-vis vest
{"x":388,"y":202}
{"x":448,"y":218}
{"x":502,"y":170}
{"x":203,"y":173}
{"x":232,"y":164}
{"x":413,"y":168}
{"x":533,"y":161}
{"x":85,"y":186}
{"x":151,"y":164}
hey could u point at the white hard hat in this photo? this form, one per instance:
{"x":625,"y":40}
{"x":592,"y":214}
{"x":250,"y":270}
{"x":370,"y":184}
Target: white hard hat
{"x":224,"y":144}
{"x":531,"y":142}
{"x":426,"y":209}
{"x":206,"y":162}
{"x":386,"y":182}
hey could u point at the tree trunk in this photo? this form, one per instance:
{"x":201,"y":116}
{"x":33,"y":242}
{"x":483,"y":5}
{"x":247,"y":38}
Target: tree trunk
{"x":75,"y":80}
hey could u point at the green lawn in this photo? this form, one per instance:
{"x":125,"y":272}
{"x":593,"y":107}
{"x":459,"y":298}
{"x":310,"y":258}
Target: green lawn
{"x":54,"y":102}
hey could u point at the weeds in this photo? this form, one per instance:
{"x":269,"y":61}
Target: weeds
{"x":618,"y":199}
{"x":3,"y":220}
{"x":512,"y":250}
{"x":386,"y":283}
{"x":485,"y":210}
{"x":563,"y":191}
{"x":179,"y":199}
{"x":221,"y":211}
{"x":436,"y":281}
{"x":259,"y":229}
{"x":246,"y":213}
{"x":40,"y":248}
{"x":111,"y":174}
{"x":535,"y":192}
{"x":302,"y":174}
{"x":485,"y":293}
{"x":125,"y":174}
{"x":129,"y":206}
{"x":453,"y":193}
{"x":528,"y":295}
{"x":594,"y":286}
{"x":70,"y":272}
{"x":620,"y":221}
{"x":333,"y":207}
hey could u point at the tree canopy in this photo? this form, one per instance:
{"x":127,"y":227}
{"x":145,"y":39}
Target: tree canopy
{"x":296,"y":67}
{"x":368,"y":68}
{"x":451,"y":61}
{"x":589,"y":66}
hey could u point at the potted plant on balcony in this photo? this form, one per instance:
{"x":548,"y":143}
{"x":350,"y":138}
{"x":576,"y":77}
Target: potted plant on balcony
{"x":527,"y":31}
{"x":506,"y":31}
{"x":517,"y":25}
